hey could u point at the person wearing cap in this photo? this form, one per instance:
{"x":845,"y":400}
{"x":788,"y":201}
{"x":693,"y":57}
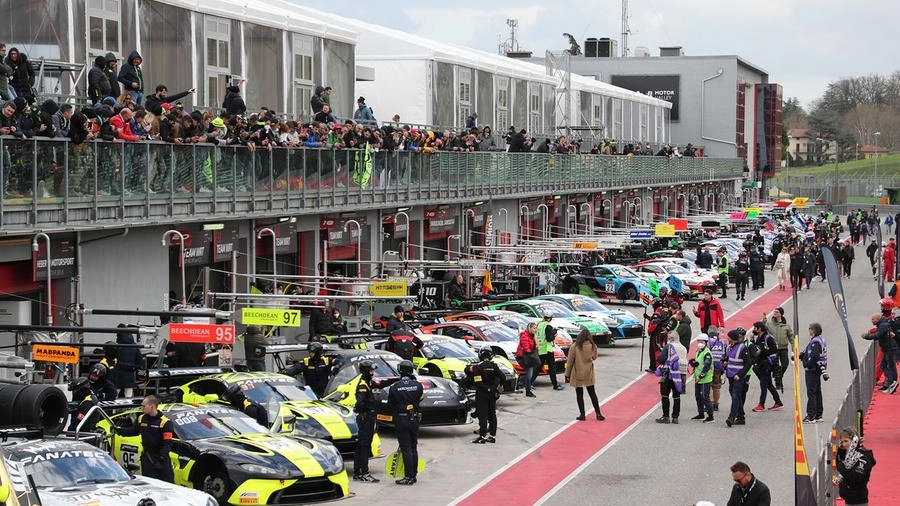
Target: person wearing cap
{"x":366,"y":408}
{"x":722,"y":270}
{"x":544,"y":336}
{"x":315,"y":368}
{"x":778,"y":326}
{"x":741,"y":275}
{"x":363,"y":114}
{"x":703,"y":371}
{"x":404,"y":397}
{"x":672,"y":371}
{"x":764,"y":365}
{"x":738,"y":367}
{"x":403,"y":341}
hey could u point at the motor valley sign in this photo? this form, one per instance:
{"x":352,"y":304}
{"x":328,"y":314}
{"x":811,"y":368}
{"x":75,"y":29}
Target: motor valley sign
{"x":663,"y":87}
{"x":62,"y":258}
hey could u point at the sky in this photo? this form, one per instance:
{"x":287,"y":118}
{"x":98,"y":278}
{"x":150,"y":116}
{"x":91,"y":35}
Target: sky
{"x":804,"y":45}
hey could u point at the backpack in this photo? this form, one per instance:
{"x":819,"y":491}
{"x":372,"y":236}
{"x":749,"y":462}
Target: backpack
{"x":549,"y":334}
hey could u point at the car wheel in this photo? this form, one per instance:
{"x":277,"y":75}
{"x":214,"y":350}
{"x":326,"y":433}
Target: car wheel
{"x":628,"y":293}
{"x":217,"y":484}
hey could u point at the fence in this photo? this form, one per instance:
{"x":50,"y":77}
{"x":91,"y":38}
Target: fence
{"x":821,"y":186}
{"x":852,"y":409}
{"x":48,"y":181}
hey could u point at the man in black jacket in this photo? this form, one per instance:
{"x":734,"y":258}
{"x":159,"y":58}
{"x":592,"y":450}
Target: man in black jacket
{"x":98,"y":83}
{"x":747,"y":490}
{"x":132,"y":77}
{"x":854,"y":467}
{"x":155,"y":101}
{"x":112,"y":76}
{"x":883,"y":333}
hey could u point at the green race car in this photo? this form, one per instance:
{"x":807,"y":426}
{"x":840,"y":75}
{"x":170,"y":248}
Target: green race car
{"x":563,"y":318}
{"x":292,"y":407}
{"x":225,"y":453}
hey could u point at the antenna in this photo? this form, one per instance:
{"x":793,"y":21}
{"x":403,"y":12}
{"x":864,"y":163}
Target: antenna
{"x":625,"y":29}
{"x":510,"y":45}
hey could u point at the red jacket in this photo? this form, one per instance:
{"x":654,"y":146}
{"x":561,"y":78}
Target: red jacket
{"x":889,"y":256}
{"x":122,"y":128}
{"x":716,"y":315}
{"x":527,"y":344}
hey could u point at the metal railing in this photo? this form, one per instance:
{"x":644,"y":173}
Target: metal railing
{"x":856,"y":400}
{"x":50,"y":182}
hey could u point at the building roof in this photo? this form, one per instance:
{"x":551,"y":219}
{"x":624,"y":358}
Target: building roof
{"x":870,"y":148}
{"x":380,"y":43}
{"x":798,"y":133}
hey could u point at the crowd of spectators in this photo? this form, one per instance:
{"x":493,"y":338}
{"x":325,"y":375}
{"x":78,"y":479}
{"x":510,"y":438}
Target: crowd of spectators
{"x":120,"y":111}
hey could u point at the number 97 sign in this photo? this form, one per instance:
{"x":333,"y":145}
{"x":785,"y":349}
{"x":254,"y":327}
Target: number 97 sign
{"x":197,"y":333}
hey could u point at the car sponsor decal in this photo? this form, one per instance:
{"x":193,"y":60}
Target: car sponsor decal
{"x":327,"y":417}
{"x":249,"y":498}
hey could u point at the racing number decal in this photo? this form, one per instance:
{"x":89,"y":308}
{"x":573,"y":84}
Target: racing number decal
{"x":129,"y":456}
{"x":290,"y":318}
{"x":610,"y":286}
{"x":184,"y":420}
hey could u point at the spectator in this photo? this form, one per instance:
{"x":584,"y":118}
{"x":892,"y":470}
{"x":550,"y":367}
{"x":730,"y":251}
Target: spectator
{"x":132,"y":77}
{"x":364,"y":114}
{"x":520,"y":143}
{"x":98,"y":82}
{"x":472,"y":121}
{"x":22,"y":79}
{"x":486,"y":140}
{"x":62,"y":120}
{"x":234,"y":102}
{"x":126,"y":99}
{"x":325,"y":116}
{"x":318,"y":100}
{"x":121,"y":124}
{"x":5,"y":74}
{"x":112,"y":76}
{"x":154,"y":102}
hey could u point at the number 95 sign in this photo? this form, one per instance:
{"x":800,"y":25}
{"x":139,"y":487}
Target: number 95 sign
{"x":196,"y":333}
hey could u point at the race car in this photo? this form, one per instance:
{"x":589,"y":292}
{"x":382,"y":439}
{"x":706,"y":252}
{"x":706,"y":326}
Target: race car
{"x":448,"y":358}
{"x":562,"y":318}
{"x":692,"y":285}
{"x":293,"y":408}
{"x":502,"y":340}
{"x":225,"y":453}
{"x":515,"y":321}
{"x":605,"y":281}
{"x":445,"y":403}
{"x":687,"y":264}
{"x":623,"y":324}
{"x":67,"y":472}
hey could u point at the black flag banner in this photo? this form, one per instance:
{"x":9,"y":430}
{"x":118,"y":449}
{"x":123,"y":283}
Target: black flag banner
{"x":880,"y":262}
{"x":837,"y":296}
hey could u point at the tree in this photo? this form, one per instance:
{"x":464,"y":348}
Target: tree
{"x":793,"y":115}
{"x":574,"y":47}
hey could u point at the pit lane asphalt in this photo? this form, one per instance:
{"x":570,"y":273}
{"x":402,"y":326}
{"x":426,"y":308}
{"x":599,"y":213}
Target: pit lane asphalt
{"x":652,"y":463}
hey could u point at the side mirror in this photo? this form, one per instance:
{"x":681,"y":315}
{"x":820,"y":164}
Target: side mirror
{"x":288,"y":423}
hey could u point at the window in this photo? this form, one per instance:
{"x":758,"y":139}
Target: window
{"x":218,"y":55}
{"x":597,"y":114}
{"x":644,"y":133}
{"x":660,"y":125}
{"x":464,"y":94}
{"x":534,"y":108}
{"x":302,"y":79}
{"x":618,"y":118}
{"x":502,"y":87}
{"x":104,"y":27}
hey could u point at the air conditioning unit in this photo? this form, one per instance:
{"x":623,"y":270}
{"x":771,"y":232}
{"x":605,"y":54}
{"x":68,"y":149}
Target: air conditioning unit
{"x":641,"y":52}
{"x":600,"y":48}
{"x":591,"y":46}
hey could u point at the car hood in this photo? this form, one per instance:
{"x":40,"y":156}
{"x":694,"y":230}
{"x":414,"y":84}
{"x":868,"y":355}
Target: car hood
{"x":575,"y":323}
{"x":320,"y":419}
{"x":290,"y":455}
{"x":124,"y":494}
{"x":598,"y":316}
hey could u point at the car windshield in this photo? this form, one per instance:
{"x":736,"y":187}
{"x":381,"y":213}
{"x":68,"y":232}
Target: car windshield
{"x":499,"y":332}
{"x":623,"y":272}
{"x":586,"y":304}
{"x":513,"y":320}
{"x":675,"y":269}
{"x":70,"y":468}
{"x":385,"y":364}
{"x":557,"y":310}
{"x":262,"y":392}
{"x":447,"y":348}
{"x":203,"y":424}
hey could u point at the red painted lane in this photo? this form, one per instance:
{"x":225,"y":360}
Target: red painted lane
{"x":881,"y":436}
{"x":563,"y":454}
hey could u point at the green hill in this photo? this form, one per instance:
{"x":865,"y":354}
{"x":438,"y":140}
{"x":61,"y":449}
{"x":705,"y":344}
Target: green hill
{"x":888,"y":165}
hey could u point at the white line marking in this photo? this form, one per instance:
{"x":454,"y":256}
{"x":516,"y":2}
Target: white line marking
{"x":529,"y":451}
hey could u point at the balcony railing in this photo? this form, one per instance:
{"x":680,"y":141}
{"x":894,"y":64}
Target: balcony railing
{"x":55,"y":184}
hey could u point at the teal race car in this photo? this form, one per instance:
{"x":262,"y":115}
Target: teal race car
{"x":607,"y":281}
{"x":563,"y":318}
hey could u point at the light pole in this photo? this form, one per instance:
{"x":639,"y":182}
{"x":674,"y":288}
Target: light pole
{"x":180,"y":236}
{"x":260,"y":235}
{"x":876,"y":163}
{"x":358,"y":244}
{"x":570,"y":210}
{"x":545,"y":223}
{"x":523,"y":226}
{"x":405,"y":254}
{"x":588,"y":218}
{"x":34,"y":247}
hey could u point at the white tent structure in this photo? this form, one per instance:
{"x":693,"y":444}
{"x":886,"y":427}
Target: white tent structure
{"x":434,"y":83}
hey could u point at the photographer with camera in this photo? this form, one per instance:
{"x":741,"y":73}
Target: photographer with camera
{"x":815,"y":362}
{"x":854,"y":467}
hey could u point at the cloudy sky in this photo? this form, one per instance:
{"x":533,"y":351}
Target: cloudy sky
{"x":803,"y":44}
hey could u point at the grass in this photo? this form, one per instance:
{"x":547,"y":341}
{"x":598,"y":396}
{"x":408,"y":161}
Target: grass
{"x":888,"y":165}
{"x":856,"y":199}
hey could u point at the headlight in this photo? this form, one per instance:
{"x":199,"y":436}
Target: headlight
{"x":267,"y":472}
{"x":332,"y":463}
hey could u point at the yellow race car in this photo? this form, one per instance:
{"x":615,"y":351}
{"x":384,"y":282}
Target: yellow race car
{"x":225,"y":453}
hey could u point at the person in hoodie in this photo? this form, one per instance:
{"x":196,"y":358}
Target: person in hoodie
{"x":132,"y":77}
{"x":234,"y":103}
{"x":22,"y":80}
{"x":98,"y":82}
{"x":112,"y":76}
{"x":130,"y":361}
{"x":318,"y":100}
{"x":5,"y":74}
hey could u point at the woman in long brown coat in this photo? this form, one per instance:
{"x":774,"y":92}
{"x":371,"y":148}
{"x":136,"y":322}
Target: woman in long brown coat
{"x":580,"y":371}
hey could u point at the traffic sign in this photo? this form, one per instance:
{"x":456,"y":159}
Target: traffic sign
{"x":199,"y":333}
{"x":274,"y":317}
{"x":640,"y":234}
{"x":388,"y":289}
{"x":50,"y":353}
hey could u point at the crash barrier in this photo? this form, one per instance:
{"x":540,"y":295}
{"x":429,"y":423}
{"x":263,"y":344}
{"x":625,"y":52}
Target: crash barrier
{"x":43,"y":406}
{"x":856,"y":401}
{"x":116,"y":182}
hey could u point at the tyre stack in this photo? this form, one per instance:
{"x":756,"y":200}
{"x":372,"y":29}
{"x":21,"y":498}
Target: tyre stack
{"x":41,"y":406}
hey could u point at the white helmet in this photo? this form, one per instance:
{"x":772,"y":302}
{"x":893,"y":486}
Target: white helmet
{"x":702,"y":337}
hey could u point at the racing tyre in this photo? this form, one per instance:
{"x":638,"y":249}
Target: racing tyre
{"x":628,"y":293}
{"x":44,"y":406}
{"x":216,"y":483}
